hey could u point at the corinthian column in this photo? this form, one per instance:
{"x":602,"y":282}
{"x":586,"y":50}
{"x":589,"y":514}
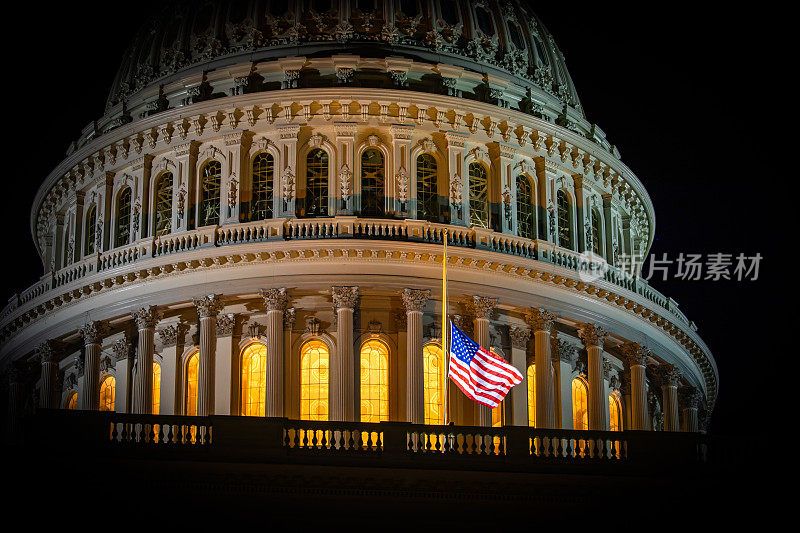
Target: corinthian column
{"x":208,"y":307}
{"x":636,"y":360}
{"x":342,"y":393}
{"x":275,"y":301}
{"x":92,"y":334}
{"x":47,"y":352}
{"x":414,"y":301}
{"x":690,"y":399}
{"x":593,"y":337}
{"x":481,"y":309}
{"x":146,"y":319}
{"x":669,"y":388}
{"x":541,"y":322}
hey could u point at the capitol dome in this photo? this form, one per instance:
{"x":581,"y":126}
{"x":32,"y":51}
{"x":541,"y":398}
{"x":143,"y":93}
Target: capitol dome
{"x":256,"y":226}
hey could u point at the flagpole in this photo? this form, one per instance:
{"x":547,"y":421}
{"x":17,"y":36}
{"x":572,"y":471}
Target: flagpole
{"x":445,"y":328}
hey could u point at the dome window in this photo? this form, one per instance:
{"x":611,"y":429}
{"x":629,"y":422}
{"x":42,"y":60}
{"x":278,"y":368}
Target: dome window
{"x":427,"y":188}
{"x":564,"y":220}
{"x":478,"y":195}
{"x":526,"y":223}
{"x":484,"y":20}
{"x":316,"y":204}
{"x":515,"y":36}
{"x":449,"y":11}
{"x":261,"y":201}
{"x":123,"y":231}
{"x":209,"y":190}
{"x":372,"y":183}
{"x":162,"y":214}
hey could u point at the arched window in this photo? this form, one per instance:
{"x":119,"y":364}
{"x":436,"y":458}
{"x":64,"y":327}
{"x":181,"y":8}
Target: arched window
{"x":532,"y":395}
{"x":564,"y":220}
{"x":190,"y":384}
{"x":372,"y":183}
{"x":162,"y":211}
{"x":596,"y":244}
{"x":210,"y":181}
{"x":72,"y":401}
{"x":615,"y":413}
{"x":484,"y":21}
{"x":89,"y":237}
{"x":427,"y":189}
{"x":580,"y":413}
{"x":317,"y":183}
{"x":254,"y":379}
{"x":122,"y":234}
{"x":374,"y":381}
{"x":525,"y":208}
{"x":478,"y":195}
{"x":156,"y":388}
{"x":261,"y":200}
{"x":314,"y":380}
{"x":432,"y":383}
{"x":107,"y":393}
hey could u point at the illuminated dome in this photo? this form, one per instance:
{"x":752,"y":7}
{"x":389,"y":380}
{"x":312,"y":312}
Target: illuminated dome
{"x":256,"y":225}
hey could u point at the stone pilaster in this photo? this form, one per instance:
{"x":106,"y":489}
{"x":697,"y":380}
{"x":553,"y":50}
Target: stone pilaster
{"x":208,"y":307}
{"x":593,"y":337}
{"x":481,"y":309}
{"x":342,"y":393}
{"x":172,"y":339}
{"x":226,"y":367}
{"x":669,"y":377}
{"x":123,"y":359}
{"x":689,"y":401}
{"x":635,"y":356}
{"x":541,"y":322}
{"x":275,"y":301}
{"x":48,"y":354}
{"x":92,"y":334}
{"x":414,"y":301}
{"x":520,"y":337}
{"x":146,"y":319}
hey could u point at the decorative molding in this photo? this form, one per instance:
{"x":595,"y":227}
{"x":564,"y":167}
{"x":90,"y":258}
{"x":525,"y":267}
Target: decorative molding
{"x":345,"y":297}
{"x":592,"y":335}
{"x":226,"y":325}
{"x":415,"y":299}
{"x":208,"y":306}
{"x":540,"y":319}
{"x":93,"y":332}
{"x":275,"y":299}
{"x":146,"y":317}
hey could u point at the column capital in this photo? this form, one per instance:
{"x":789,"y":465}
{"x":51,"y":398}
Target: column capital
{"x":226,"y":324}
{"x":415,"y":299}
{"x":48,"y":351}
{"x":122,"y":349}
{"x":689,"y":397}
{"x":345,"y":297}
{"x":173,"y":335}
{"x":481,"y":306}
{"x":634,"y":354}
{"x":208,"y":306}
{"x":275,"y":299}
{"x":289,"y":316}
{"x":540,"y":319}
{"x":592,"y":335}
{"x":668,"y":375}
{"x":520,"y":336}
{"x":146,"y":317}
{"x":93,"y":332}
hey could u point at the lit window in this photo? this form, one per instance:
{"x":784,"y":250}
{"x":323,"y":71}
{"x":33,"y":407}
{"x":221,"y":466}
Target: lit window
{"x":254,"y":379}
{"x":162,"y":216}
{"x":564,"y":220}
{"x":190,"y":387}
{"x":432,"y":379}
{"x":525,"y":207}
{"x":596,"y":232}
{"x":478,"y":195}
{"x":317,"y":183}
{"x":372,"y":182}
{"x":374,"y":382}
{"x":156,"y":388}
{"x":91,"y":222}
{"x":314,"y":380}
{"x":580,"y":414}
{"x":261,"y":201}
{"x":72,"y":401}
{"x":614,"y":411}
{"x":427,"y":191}
{"x":210,"y":181}
{"x":532,"y":395}
{"x":107,"y":394}
{"x":122,"y":234}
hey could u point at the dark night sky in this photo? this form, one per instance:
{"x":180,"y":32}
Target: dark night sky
{"x":678,"y":90}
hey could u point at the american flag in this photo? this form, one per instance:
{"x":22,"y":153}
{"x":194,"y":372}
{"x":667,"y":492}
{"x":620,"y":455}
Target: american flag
{"x":480,"y":374}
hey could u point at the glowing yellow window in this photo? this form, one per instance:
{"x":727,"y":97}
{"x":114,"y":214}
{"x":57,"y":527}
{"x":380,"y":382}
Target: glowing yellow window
{"x":190,"y":388}
{"x":374,"y":381}
{"x":614,"y":411}
{"x":532,"y":395}
{"x":72,"y":401}
{"x":432,"y":379}
{"x":156,"y":388}
{"x":314,"y":380}
{"x":107,"y":394}
{"x":580,"y":414}
{"x":254,"y":379}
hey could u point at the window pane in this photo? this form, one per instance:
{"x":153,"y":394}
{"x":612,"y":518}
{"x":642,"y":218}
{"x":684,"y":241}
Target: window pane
{"x":163,"y":208}
{"x":314,"y":380}
{"x":478,"y":195}
{"x":211,"y":178}
{"x":532,"y":395}
{"x":261,"y":202}
{"x":156,"y":388}
{"x":580,"y":414}
{"x":564,"y":220}
{"x":374,"y":382}
{"x":614,"y":413}
{"x":427,"y":190}
{"x":107,"y":394}
{"x":596,"y":231}
{"x":433,"y":383}
{"x":72,"y":401}
{"x":372,"y":182}
{"x":525,"y":207}
{"x":91,"y":222}
{"x":317,"y":183}
{"x":123,"y":233}
{"x":254,"y":380}
{"x":190,"y":399}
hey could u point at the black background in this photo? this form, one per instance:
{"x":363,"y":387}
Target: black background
{"x":688,"y":94}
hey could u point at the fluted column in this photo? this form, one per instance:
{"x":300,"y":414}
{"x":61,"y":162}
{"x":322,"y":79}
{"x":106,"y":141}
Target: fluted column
{"x":636,"y":362}
{"x":47,"y":352}
{"x":593,"y":337}
{"x":342,"y":391}
{"x":669,"y":389}
{"x":481,"y":309}
{"x":146,"y":319}
{"x":414,"y":301}
{"x":541,"y":322}
{"x":92,"y":334}
{"x":275,"y":301}
{"x":690,"y":399}
{"x":208,"y":307}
